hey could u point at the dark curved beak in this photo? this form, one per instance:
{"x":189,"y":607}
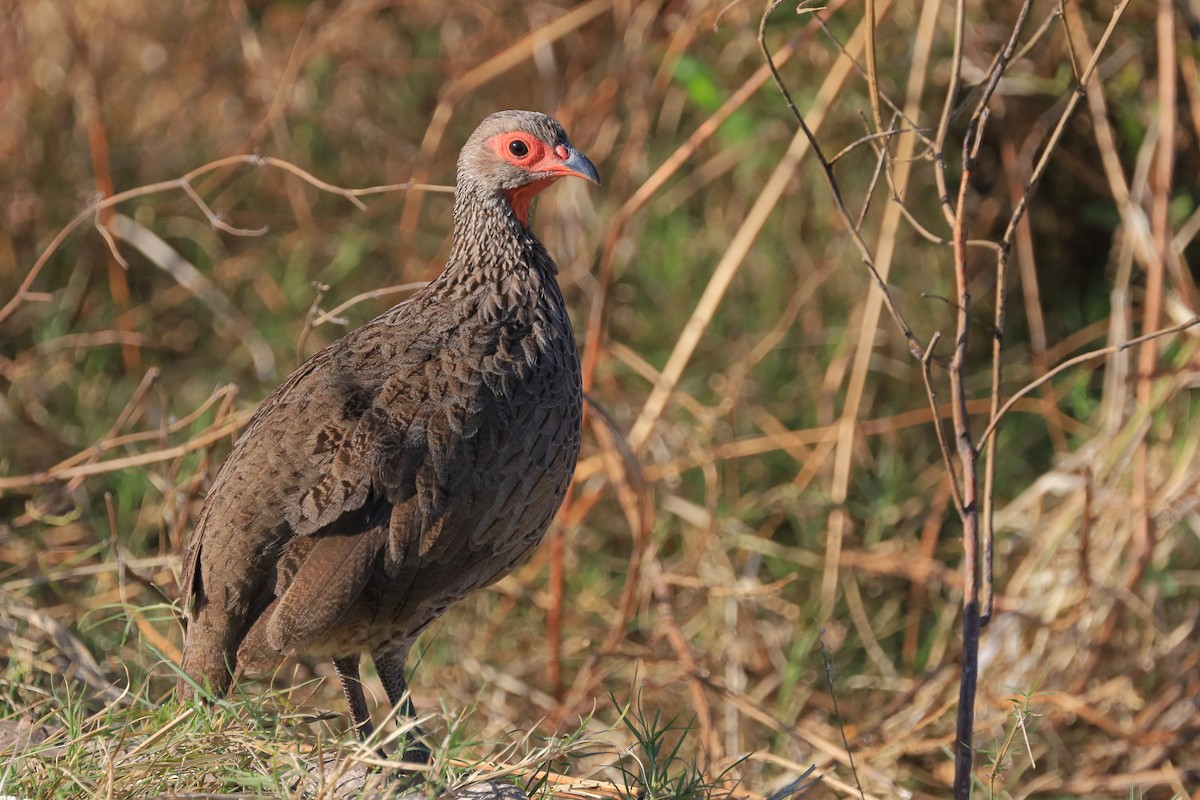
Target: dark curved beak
{"x":576,"y":163}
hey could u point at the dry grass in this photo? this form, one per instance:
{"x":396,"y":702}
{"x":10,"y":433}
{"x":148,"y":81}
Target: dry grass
{"x":764,"y":541}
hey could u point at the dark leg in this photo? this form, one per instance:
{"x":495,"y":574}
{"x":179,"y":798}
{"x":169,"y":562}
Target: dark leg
{"x":390,"y":667}
{"x":347,"y":672}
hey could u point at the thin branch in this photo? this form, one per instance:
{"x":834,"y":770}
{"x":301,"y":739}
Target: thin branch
{"x":881,"y":160}
{"x":112,"y":441}
{"x":107,"y":236}
{"x":935,"y":415}
{"x":1052,"y":143}
{"x":183,"y":183}
{"x":374,"y":294}
{"x":837,"y":712}
{"x":1083,"y":358}
{"x":862,"y":70}
{"x":989,"y":467}
{"x":914,"y":343}
{"x":319,"y":290}
{"x":943,"y":128}
{"x":1037,"y":37}
{"x":216,"y":221}
{"x":992,"y":331}
{"x":199,"y":442}
{"x":964,"y":753}
{"x":1062,"y":13}
{"x":872,"y":74}
{"x":887,"y":134}
{"x":967,"y":453}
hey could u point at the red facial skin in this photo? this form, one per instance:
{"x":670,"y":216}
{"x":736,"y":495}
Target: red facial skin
{"x":538,"y":158}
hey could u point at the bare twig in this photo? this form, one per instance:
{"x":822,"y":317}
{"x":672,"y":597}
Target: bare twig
{"x":183,"y":183}
{"x":968,"y":455}
{"x":1083,"y":358}
{"x":374,"y":294}
{"x":931,"y":394}
{"x":837,"y":713}
{"x":319,"y":290}
{"x":914,"y":343}
{"x":943,"y":128}
{"x":198,"y":442}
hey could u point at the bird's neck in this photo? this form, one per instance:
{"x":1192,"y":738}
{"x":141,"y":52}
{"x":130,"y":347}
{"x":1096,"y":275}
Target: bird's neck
{"x":491,"y":246}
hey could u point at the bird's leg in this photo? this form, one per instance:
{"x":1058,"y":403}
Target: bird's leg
{"x":347,"y":672}
{"x":390,"y":667}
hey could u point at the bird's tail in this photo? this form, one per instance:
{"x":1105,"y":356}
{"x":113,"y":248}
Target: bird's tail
{"x":207,"y":662}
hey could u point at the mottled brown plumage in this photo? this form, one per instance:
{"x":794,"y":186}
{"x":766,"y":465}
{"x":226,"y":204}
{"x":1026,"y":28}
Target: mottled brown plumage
{"x":415,"y":460}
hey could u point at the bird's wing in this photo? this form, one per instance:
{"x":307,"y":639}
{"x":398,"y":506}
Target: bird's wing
{"x":420,"y":436}
{"x":298,"y":468}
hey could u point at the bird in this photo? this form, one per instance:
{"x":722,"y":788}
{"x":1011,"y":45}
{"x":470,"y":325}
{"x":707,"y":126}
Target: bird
{"x":410,"y":463}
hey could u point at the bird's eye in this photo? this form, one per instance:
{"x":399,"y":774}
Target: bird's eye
{"x":518,"y":148}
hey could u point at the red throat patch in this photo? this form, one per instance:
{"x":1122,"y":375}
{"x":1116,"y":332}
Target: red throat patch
{"x":521,"y":198}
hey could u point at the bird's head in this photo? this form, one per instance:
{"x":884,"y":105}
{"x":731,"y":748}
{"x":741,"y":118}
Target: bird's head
{"x":518,"y":154}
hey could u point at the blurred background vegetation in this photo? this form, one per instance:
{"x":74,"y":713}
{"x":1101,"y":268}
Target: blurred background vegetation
{"x":701,"y":581}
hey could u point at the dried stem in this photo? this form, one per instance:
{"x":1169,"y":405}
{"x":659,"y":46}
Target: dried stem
{"x":184,"y":183}
{"x":864,"y":250}
{"x":967,"y":453}
{"x":1082,"y":358}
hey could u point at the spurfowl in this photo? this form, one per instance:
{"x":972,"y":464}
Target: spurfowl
{"x":415,"y":460}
